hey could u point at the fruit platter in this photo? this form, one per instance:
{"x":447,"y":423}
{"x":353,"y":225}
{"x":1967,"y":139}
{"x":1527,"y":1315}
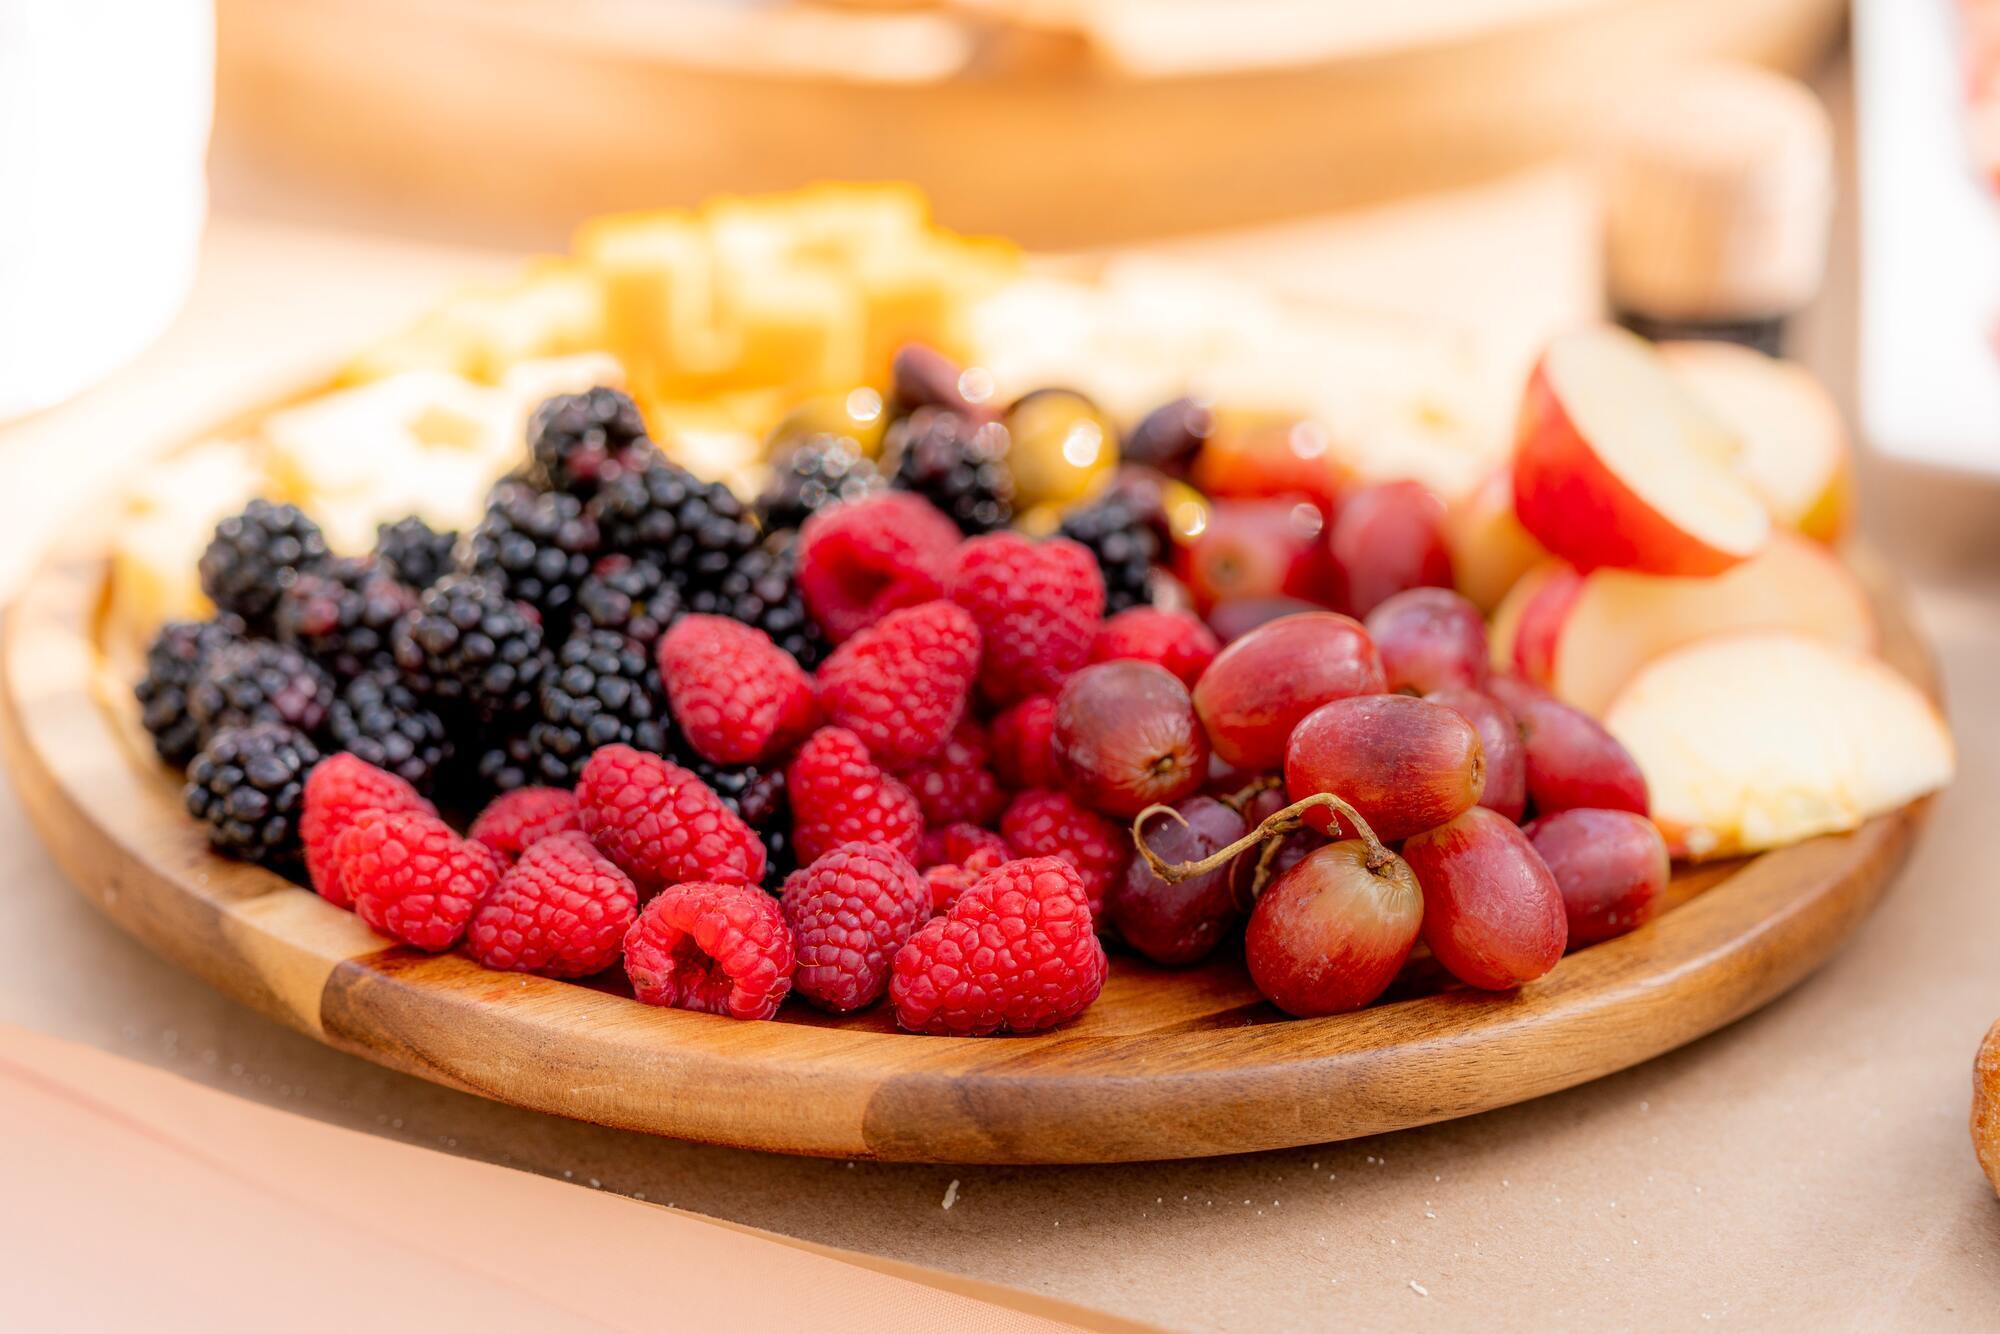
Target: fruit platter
{"x":789,"y":676}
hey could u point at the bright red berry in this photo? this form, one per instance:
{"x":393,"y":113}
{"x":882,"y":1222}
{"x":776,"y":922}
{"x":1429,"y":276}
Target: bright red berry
{"x":1177,"y":640}
{"x":661,"y":825}
{"x":1055,"y":824}
{"x":954,"y":844}
{"x":561,"y":911}
{"x":1024,"y":744}
{"x":839,"y":795}
{"x":737,"y":696}
{"x":412,"y":877}
{"x":850,"y":913}
{"x":957,"y":785}
{"x":1016,"y":953}
{"x":515,"y":821}
{"x":719,"y":948}
{"x":901,"y":685}
{"x":1037,"y":605}
{"x":948,"y":880}
{"x":338,"y":789}
{"x":861,"y":560}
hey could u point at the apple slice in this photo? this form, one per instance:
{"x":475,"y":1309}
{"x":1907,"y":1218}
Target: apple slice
{"x":1761,"y":738}
{"x":1794,"y":453}
{"x":1490,"y":550}
{"x":1617,"y":464}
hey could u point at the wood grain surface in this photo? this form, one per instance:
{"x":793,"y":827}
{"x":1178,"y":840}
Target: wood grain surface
{"x":1167,"y":1064}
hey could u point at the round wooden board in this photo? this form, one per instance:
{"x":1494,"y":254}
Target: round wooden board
{"x":1166,"y":1064}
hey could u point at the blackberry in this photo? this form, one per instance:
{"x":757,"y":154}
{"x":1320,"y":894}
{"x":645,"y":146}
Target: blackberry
{"x":577,"y":442}
{"x":694,"y":530}
{"x":342,"y":613}
{"x":248,"y":785}
{"x":380,"y":719}
{"x":758,"y":796}
{"x":956,"y":463}
{"x":173,"y":661}
{"x":414,"y":552}
{"x":818,"y":470}
{"x":760,"y":589}
{"x":469,"y":644}
{"x":255,"y":554}
{"x":633,"y":597}
{"x":502,"y":764}
{"x":602,"y":688}
{"x":257,"y":681}
{"x":1119,"y":531}
{"x":536,"y":545}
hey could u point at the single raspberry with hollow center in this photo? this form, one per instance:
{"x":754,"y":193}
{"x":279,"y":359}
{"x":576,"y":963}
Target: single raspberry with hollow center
{"x":957,"y":785}
{"x":719,"y":948}
{"x":339,"y":789}
{"x":561,"y":911}
{"x":1177,"y":640}
{"x":737,"y":696}
{"x":861,"y":560}
{"x":850,"y":912}
{"x":1037,"y":605}
{"x":661,"y":825}
{"x":839,"y":795}
{"x":1054,"y":824}
{"x":516,"y":821}
{"x":1023,"y":740}
{"x":902,"y":684}
{"x":1017,"y":953}
{"x":412,"y":877}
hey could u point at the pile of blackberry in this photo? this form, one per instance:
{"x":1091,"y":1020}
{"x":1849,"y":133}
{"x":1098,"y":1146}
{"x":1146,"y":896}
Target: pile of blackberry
{"x":1121,"y":531}
{"x":958,"y":463}
{"x":536,"y":546}
{"x":414,"y":552}
{"x":602,"y":689}
{"x":342,"y":613}
{"x":819,"y":470}
{"x":757,"y":795}
{"x":761,"y":589}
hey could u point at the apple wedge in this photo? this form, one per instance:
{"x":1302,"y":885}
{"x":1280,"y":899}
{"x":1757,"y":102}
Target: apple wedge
{"x":1617,"y":464}
{"x":1761,"y":738}
{"x":1794,"y":453}
{"x":1490,"y":550}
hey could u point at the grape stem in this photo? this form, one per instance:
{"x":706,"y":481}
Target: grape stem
{"x":1275,"y":826}
{"x":1238,"y":800}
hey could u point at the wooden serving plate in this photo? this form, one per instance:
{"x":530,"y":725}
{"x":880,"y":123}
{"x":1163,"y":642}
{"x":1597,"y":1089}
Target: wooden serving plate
{"x":1167,"y":1064}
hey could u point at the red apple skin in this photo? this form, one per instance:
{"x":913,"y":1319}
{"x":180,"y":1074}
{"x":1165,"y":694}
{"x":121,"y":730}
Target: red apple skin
{"x":1183,"y":923}
{"x":1506,"y":790}
{"x":1572,"y":761}
{"x":1611,"y":867}
{"x":1388,"y":537}
{"x":1126,"y":736}
{"x":1429,"y":639}
{"x":1257,"y":549}
{"x":1329,"y":935}
{"x":1260,"y":686}
{"x":1541,"y":623}
{"x":1405,"y":764}
{"x":1579,"y":509}
{"x":1493,"y":914}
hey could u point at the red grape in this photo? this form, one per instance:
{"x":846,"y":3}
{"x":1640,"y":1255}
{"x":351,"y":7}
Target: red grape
{"x":1257,"y":549}
{"x":1386,"y":538}
{"x":1126,"y":736}
{"x":1405,"y":763}
{"x":1430,"y":639}
{"x":1611,"y":867}
{"x":1493,"y":915}
{"x":1238,"y":617}
{"x":1506,"y":788}
{"x":1331,"y":933}
{"x":1572,"y":760}
{"x":1260,"y":686}
{"x":1179,"y":923}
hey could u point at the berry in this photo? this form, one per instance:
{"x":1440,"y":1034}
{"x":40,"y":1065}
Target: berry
{"x":818,"y":471}
{"x":661,"y":824}
{"x":257,"y":681}
{"x":412,"y":877}
{"x":1430,"y":639}
{"x":956,"y":462}
{"x":384,"y":722}
{"x":1119,"y":532}
{"x":1506,"y":756}
{"x":414,"y":552}
{"x":1127,"y":737}
{"x":578,"y":441}
{"x":600,"y":689}
{"x":850,"y":912}
{"x":516,"y":821}
{"x":736,"y":696}
{"x":1176,"y":640}
{"x":1169,"y":436}
{"x":956,"y":785}
{"x":1571,"y":760}
{"x":859,"y":562}
{"x":561,"y":911}
{"x":248,"y":784}
{"x":341,"y":614}
{"x":536,"y":546}
{"x":757,"y":796}
{"x":718,"y":948}
{"x":1331,"y":933}
{"x":255,"y":554}
{"x":173,"y":660}
{"x":1492,"y":912}
{"x":1253,"y":550}
{"x":1037,"y":606}
{"x":633,"y":597}
{"x":1180,"y":923}
{"x":1015,"y":954}
{"x":468,"y":642}
{"x":761,"y":589}
{"x":694,"y":530}
{"x":920,"y":376}
{"x":1023,"y":736}
{"x":337,"y":791}
{"x":506,"y":763}
{"x":956,"y":844}
{"x":1611,"y":867}
{"x":1064,"y":447}
{"x":1404,"y":763}
{"x":1053,"y":824}
{"x":1258,"y":688}
{"x":839,"y":796}
{"x":1389,"y":537}
{"x":972,"y":852}
{"x":902,"y":684}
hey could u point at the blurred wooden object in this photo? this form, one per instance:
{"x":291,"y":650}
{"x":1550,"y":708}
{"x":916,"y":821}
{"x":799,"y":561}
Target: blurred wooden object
{"x":1059,"y":124}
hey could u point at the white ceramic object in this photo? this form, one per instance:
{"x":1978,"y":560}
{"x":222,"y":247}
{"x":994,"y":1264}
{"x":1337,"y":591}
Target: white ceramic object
{"x":104,"y":118}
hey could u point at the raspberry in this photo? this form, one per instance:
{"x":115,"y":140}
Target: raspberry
{"x":1024,"y":744}
{"x":957,"y":844}
{"x":1015,"y":954}
{"x":1052,"y":824}
{"x":860,"y":561}
{"x":412,"y":877}
{"x":850,"y":912}
{"x":723,"y":949}
{"x":902,"y":684}
{"x":513,"y":823}
{"x":561,"y":911}
{"x":1176,"y":640}
{"x":737,"y":696}
{"x":339,"y":790}
{"x":661,"y":825}
{"x":839,"y":796}
{"x":956,"y":785}
{"x":1037,"y":606}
